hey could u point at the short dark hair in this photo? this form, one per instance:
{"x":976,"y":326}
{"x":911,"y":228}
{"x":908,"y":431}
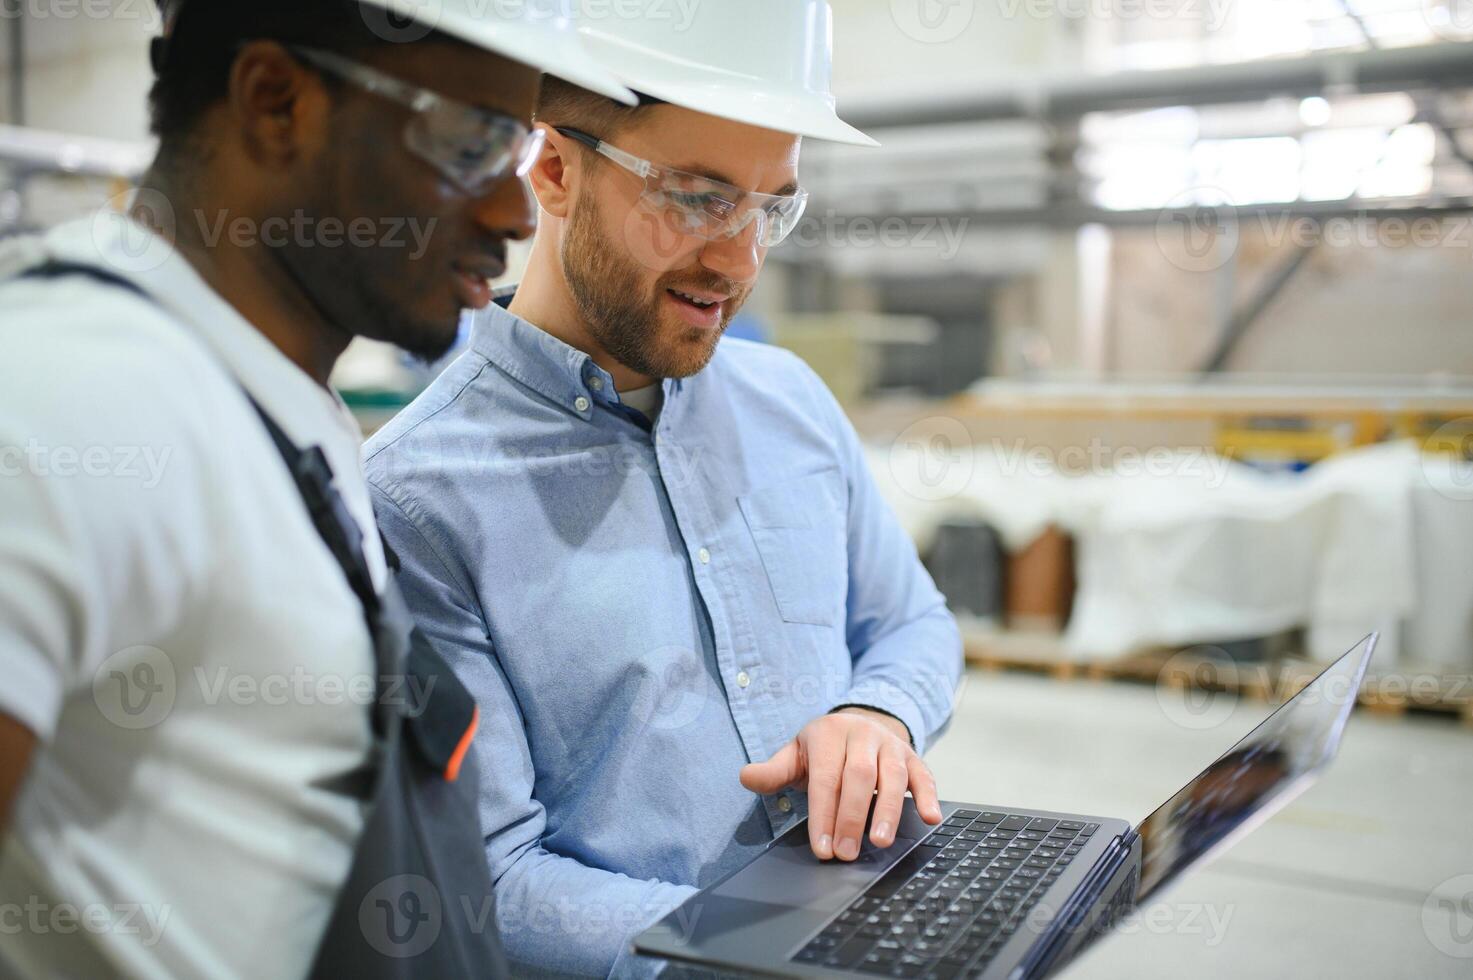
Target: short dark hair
{"x":565,"y":104}
{"x":193,"y":66}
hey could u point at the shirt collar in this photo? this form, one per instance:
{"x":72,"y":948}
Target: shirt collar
{"x":557,"y":371}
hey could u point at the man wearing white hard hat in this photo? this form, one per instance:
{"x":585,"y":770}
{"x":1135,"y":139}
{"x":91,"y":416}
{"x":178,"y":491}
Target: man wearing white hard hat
{"x":656,"y":557}
{"x":223,"y":750}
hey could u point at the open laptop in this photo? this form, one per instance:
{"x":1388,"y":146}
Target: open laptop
{"x":1000,"y":893}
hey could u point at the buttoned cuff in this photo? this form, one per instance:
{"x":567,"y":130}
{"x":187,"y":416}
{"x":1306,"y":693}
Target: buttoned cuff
{"x":886,"y":697}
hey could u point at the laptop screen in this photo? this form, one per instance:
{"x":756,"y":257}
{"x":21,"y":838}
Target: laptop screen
{"x":1253,"y":779}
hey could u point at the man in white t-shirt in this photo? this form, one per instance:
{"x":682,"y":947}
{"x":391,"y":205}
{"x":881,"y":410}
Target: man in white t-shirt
{"x":188,"y":676}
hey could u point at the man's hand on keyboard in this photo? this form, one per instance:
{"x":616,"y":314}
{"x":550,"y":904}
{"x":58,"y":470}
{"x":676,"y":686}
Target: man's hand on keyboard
{"x":842,"y":759}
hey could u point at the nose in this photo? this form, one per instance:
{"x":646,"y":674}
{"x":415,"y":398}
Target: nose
{"x":507,"y":210}
{"x":738,"y":258}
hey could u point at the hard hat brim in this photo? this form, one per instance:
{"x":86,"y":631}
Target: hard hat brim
{"x":541,"y":42}
{"x":802,"y":117}
{"x":740,"y":98}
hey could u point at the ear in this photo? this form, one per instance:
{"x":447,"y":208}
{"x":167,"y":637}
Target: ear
{"x":555,"y":174}
{"x":280,"y":106}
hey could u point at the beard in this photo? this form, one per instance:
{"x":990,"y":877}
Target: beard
{"x":605,"y":283}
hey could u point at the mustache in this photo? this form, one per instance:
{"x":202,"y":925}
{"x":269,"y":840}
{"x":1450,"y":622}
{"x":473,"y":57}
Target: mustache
{"x":707,"y":281}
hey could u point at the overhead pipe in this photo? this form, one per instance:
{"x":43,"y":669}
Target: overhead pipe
{"x":1447,"y":65}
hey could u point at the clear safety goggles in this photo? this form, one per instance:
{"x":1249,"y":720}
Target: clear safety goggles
{"x":474,"y":148}
{"x":702,"y":207}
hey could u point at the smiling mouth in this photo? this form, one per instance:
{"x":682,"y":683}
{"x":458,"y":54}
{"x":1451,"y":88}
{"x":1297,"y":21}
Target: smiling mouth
{"x":700,"y":304}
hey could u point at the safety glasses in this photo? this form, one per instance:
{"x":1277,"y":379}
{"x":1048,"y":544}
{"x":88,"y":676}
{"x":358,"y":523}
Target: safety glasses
{"x":474,"y":148}
{"x":702,"y":207}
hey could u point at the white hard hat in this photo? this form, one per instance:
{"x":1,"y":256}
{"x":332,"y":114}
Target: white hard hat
{"x":761,"y":62}
{"x":539,"y":33}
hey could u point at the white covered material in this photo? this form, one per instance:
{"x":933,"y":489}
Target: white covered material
{"x":1177,"y":561}
{"x":1179,"y":548}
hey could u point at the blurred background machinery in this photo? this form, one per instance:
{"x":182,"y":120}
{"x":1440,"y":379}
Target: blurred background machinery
{"x":1098,"y":233}
{"x":1129,"y":284}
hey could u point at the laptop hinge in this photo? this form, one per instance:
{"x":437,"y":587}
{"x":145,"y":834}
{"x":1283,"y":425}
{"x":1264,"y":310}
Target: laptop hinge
{"x":1040,"y":960}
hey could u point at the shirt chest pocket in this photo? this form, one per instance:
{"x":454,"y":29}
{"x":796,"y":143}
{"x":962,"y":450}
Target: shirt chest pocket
{"x":799,"y":530}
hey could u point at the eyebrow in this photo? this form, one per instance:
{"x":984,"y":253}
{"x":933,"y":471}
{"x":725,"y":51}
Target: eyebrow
{"x":787,"y":190}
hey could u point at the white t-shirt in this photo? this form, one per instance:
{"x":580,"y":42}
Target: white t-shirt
{"x":647,"y":400}
{"x":188,"y":653}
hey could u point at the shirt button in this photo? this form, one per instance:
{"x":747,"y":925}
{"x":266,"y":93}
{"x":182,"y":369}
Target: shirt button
{"x":784,"y":804}
{"x":582,"y":404}
{"x":743,"y":679}
{"x":705,"y":556}
{"x":597,"y":384}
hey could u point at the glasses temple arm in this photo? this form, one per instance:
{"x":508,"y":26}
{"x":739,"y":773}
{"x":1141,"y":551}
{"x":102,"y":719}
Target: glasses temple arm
{"x":635,"y":165}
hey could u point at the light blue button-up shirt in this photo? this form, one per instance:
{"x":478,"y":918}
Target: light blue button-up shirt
{"x":642,"y":611}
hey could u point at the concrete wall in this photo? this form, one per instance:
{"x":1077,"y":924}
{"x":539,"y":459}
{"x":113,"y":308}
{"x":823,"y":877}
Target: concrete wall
{"x":1393,"y":308}
{"x":86,"y":66}
{"x":890,"y":48}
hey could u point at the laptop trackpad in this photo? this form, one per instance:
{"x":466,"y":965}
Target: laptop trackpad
{"x":789,"y":874}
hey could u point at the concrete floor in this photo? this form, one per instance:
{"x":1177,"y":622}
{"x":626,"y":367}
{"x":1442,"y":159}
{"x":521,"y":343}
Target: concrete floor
{"x":1360,"y":877}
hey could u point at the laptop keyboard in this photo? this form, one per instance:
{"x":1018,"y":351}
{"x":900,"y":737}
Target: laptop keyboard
{"x":946,"y":908}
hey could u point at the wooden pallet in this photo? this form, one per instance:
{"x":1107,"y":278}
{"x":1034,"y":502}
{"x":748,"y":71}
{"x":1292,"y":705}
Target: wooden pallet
{"x":1388,"y":693}
{"x":1396,"y":692}
{"x":1039,"y":652}
{"x":1185,"y":669}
